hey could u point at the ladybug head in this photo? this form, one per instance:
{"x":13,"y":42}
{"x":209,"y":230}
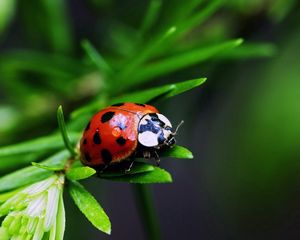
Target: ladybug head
{"x":155,"y":130}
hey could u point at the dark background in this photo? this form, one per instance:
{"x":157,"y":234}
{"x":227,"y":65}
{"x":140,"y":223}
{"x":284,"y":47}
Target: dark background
{"x":242,"y":125}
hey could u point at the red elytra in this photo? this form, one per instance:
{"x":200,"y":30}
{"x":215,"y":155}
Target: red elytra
{"x":111,"y":135}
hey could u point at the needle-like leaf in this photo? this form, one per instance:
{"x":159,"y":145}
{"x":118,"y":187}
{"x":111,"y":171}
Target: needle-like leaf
{"x":89,"y":206}
{"x":157,"y":175}
{"x":177,"y":152}
{"x":63,"y":130}
{"x":78,"y":173}
{"x":52,"y":142}
{"x":96,"y":58}
{"x":32,"y":174}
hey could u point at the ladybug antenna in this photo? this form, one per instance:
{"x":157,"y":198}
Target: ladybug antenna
{"x":178,"y":126}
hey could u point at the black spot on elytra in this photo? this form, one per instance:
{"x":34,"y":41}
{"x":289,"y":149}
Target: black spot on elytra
{"x":117,"y":104}
{"x":107,"y":116}
{"x":97,"y":138}
{"x":85,"y":141}
{"x":87,"y":157}
{"x":121,"y":141}
{"x":87,"y":126}
{"x":106,"y":156}
{"x":140,"y":104}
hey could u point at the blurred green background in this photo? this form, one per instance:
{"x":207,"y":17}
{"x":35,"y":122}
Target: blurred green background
{"x":243,"y":125}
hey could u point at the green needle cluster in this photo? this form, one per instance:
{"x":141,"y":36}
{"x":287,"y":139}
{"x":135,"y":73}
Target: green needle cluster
{"x":171,"y":37}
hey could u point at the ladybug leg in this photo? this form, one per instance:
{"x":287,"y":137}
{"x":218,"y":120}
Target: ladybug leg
{"x":127,"y":170}
{"x":147,"y":155}
{"x":156,"y":158}
{"x":102,"y":169}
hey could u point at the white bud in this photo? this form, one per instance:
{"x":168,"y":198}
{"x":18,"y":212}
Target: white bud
{"x":40,"y":186}
{"x":36,"y":206}
{"x":51,"y":208}
{"x":33,"y":211}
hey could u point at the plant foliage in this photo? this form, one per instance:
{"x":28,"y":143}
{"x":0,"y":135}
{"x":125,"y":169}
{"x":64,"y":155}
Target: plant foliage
{"x":136,"y":56}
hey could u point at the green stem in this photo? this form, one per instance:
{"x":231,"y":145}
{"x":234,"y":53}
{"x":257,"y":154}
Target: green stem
{"x":63,"y":130}
{"x":96,"y":58}
{"x":144,"y":199}
{"x":151,"y":16}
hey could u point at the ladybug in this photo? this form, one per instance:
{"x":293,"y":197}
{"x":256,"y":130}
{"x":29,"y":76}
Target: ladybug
{"x":125,"y":131}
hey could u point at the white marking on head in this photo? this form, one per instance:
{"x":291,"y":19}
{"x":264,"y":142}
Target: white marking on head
{"x":148,"y":139}
{"x":164,"y":119}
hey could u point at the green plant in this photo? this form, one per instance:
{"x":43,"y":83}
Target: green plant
{"x":139,"y":56}
{"x":65,"y":166}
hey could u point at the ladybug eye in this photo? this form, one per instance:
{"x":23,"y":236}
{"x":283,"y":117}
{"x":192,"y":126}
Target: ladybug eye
{"x":168,"y":128}
{"x":171,"y":141}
